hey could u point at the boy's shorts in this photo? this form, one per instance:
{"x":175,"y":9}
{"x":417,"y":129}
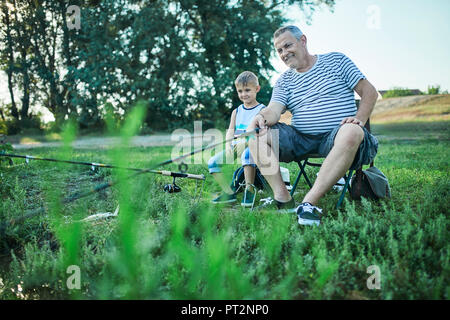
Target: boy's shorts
{"x":293,"y":145}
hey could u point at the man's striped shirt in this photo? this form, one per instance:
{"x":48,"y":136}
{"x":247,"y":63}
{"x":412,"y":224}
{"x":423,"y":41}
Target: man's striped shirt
{"x":321,"y":97}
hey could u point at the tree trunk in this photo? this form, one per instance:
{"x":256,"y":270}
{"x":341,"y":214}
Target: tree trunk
{"x":2,"y":115}
{"x":14,"y":111}
{"x":23,"y":46}
{"x":26,"y":88}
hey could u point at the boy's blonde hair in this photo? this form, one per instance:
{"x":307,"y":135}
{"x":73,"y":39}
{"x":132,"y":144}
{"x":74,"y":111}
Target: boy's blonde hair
{"x":246,"y":78}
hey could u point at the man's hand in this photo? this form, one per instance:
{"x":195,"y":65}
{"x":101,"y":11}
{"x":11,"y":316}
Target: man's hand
{"x":258,"y":122}
{"x":353,"y":120}
{"x":266,"y":118}
{"x":261,"y":123}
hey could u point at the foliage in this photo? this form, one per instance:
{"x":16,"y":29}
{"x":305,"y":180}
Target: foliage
{"x":434,"y":89}
{"x":398,"y":92}
{"x":5,"y":148}
{"x":173,"y":246}
{"x":3,"y":127}
{"x":183,"y":68}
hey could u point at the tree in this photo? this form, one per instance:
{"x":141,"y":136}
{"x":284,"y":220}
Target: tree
{"x":7,"y":50}
{"x":179,"y":56}
{"x":434,"y":89}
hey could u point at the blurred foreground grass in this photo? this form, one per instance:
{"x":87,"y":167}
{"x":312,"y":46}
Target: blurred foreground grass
{"x":174,"y":246}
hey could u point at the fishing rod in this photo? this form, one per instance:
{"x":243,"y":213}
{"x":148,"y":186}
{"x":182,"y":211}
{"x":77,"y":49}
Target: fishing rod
{"x":104,"y":186}
{"x":109,"y":166}
{"x":243,"y":135}
{"x":168,"y":187}
{"x":169,"y":161}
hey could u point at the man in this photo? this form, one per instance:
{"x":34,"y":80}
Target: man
{"x":318,"y":91}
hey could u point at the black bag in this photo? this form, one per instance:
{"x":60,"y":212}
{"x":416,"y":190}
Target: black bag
{"x":370,"y":183}
{"x":239,"y":180}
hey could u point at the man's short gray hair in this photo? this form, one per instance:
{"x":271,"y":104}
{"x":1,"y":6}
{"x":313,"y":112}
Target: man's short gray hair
{"x":296,"y":32}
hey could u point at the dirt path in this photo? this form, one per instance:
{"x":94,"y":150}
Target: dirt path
{"x":102,"y":142}
{"x":382,"y":105}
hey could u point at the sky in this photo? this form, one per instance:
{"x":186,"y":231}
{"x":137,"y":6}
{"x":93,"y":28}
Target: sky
{"x":395,"y":43}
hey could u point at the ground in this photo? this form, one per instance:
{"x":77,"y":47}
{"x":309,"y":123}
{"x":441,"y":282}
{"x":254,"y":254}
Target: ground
{"x":400,"y":109}
{"x":180,"y":246}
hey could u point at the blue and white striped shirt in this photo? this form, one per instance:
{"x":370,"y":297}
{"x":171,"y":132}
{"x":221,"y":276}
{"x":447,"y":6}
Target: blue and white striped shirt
{"x":321,"y":97}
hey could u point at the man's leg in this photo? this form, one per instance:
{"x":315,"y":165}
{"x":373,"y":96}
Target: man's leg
{"x":268,"y":164}
{"x":337,"y":162}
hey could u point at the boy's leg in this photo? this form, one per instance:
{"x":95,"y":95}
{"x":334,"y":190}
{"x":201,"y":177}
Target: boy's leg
{"x":249,"y":167}
{"x":250,"y":191}
{"x":221,"y":181}
{"x":249,"y":173}
{"x":214,"y":166}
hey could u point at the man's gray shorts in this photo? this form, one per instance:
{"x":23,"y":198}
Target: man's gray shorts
{"x":293,"y":145}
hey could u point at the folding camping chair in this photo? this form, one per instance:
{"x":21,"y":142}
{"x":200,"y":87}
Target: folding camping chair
{"x":304,"y":161}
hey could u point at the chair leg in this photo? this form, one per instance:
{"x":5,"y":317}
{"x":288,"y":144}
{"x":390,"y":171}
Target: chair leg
{"x":300,"y":174}
{"x":296,"y":181}
{"x":302,"y":169}
{"x":346,"y":185}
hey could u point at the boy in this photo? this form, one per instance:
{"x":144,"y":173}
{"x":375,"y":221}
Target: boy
{"x":247,"y":86}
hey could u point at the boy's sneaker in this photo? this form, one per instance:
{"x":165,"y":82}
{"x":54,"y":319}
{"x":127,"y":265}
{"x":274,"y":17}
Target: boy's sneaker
{"x":249,"y":198}
{"x":308,"y":214}
{"x":225,"y":198}
{"x":281,"y":207}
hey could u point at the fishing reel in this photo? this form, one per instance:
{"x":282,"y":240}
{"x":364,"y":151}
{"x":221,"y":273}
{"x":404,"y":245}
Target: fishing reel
{"x":172,"y":188}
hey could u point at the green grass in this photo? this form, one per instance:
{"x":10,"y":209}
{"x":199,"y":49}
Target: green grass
{"x":437,"y":109}
{"x":176,"y":246}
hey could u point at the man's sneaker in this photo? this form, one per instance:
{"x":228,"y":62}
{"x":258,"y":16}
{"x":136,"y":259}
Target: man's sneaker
{"x":225,"y":198}
{"x":249,"y":197}
{"x":308,"y":214}
{"x":281,"y":207}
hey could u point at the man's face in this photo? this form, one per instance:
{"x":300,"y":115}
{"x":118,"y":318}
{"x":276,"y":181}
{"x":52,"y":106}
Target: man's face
{"x":291,"y":51}
{"x":247,"y":93}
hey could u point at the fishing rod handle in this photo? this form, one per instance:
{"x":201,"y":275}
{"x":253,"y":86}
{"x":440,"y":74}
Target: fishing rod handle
{"x":182,"y":175}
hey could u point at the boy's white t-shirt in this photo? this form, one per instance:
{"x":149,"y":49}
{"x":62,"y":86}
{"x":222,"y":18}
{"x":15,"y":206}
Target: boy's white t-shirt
{"x":243,"y":118}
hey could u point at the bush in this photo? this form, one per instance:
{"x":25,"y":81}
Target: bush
{"x":434,"y":89}
{"x":398,"y":92}
{"x":3,"y":127}
{"x":29,"y":125}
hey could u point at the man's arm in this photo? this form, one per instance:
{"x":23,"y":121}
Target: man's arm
{"x":268,"y":116}
{"x":369,"y":96}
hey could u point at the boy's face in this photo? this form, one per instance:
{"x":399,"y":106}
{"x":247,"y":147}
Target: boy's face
{"x":247,"y":93}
